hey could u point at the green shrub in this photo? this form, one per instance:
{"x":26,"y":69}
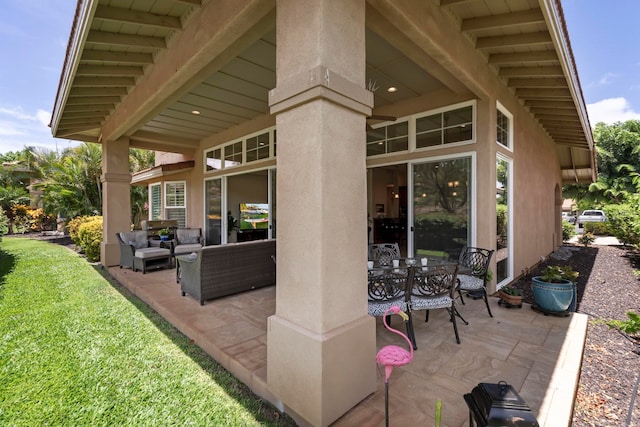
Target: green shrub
{"x":568,"y":230}
{"x":4,"y":223}
{"x":597,"y":228}
{"x":624,"y":223}
{"x":74,"y":226}
{"x":586,"y":239}
{"x":90,"y":237}
{"x":630,"y":326}
{"x":501,"y":224}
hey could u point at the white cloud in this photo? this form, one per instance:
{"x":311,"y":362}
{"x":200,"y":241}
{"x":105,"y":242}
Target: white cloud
{"x":43,"y":117}
{"x":611,"y":110}
{"x":19,"y":129}
{"x":607,"y":79}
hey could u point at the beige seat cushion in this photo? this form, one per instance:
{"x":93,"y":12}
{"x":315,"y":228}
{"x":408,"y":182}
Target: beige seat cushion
{"x":187,"y":249}
{"x":152,"y":253}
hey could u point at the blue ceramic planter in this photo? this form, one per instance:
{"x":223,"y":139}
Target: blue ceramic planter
{"x":554,"y":297}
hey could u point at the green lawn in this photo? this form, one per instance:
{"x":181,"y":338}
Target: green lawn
{"x":76,"y":349}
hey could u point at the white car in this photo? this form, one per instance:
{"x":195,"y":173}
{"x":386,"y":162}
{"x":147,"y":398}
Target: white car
{"x":592,"y":215}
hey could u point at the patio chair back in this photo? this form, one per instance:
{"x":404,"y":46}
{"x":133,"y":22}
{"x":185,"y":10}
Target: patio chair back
{"x":384,"y":253}
{"x":474,"y":264}
{"x":434,"y":289}
{"x":386,"y":288}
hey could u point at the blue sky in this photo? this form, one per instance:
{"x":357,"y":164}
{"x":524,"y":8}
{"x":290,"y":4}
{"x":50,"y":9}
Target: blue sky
{"x":605,"y":37}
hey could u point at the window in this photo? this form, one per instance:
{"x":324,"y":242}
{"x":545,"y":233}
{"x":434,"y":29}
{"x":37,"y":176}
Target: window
{"x":388,"y":139}
{"x":250,"y":149}
{"x":213,"y":159}
{"x":175,"y":203}
{"x":155,"y":202}
{"x":504,"y":126}
{"x":233,"y":154}
{"x":257,"y":147}
{"x":446,"y":127}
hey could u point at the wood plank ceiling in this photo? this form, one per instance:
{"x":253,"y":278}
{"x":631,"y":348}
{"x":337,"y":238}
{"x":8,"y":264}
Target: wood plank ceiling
{"x":124,"y":38}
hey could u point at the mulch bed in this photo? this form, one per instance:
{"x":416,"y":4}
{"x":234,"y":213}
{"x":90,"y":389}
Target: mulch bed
{"x":607,"y":288}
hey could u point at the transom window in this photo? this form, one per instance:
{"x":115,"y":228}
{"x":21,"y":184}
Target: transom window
{"x":504,"y":126}
{"x":233,"y":154}
{"x":446,"y":127}
{"x":250,"y":149}
{"x":258,"y":147}
{"x":453,"y":124}
{"x":388,"y":139}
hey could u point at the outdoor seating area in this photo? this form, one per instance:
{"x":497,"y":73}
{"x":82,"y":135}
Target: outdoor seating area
{"x":393,"y":280}
{"x":539,"y":356}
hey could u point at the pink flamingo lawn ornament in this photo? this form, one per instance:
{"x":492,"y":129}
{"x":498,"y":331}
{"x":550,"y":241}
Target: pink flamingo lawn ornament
{"x":392,"y":355}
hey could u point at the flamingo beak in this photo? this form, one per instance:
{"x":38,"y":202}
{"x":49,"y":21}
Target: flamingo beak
{"x":404,"y":315}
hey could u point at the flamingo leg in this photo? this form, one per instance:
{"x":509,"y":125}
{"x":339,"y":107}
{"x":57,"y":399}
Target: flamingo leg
{"x":386,"y":403}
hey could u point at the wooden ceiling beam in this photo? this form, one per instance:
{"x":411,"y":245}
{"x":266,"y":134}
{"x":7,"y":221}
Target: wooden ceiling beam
{"x":549,"y":104}
{"x":89,"y":107}
{"x":550,"y":71}
{"x":533,"y":16}
{"x":523,"y":57}
{"x":511,"y":40}
{"x":109,"y":70}
{"x":551,"y":82}
{"x":548,"y":94}
{"x":127,"y":40}
{"x":92,"y":55}
{"x":87,"y":100}
{"x":116,"y":14}
{"x":97,"y":91}
{"x":102,"y":81}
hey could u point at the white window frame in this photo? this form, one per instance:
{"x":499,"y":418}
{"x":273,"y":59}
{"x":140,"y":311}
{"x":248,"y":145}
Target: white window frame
{"x":411,"y":120}
{"x":151,"y":207}
{"x":223,"y":164}
{"x":502,"y":109}
{"x":168,"y":206}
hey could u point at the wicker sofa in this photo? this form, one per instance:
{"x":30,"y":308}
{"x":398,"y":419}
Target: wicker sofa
{"x":217,"y":271}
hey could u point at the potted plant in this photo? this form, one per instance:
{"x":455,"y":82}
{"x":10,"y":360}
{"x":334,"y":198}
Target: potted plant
{"x":555,"y":290}
{"x":511,"y":297}
{"x":164,"y":233}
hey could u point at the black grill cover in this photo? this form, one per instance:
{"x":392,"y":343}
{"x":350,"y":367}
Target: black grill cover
{"x":499,"y":405}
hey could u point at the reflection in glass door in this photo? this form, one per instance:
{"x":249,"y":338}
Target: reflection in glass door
{"x":442,"y":207}
{"x":503,"y":208}
{"x":213,"y":212}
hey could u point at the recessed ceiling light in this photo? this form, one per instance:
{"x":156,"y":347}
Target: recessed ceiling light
{"x":392,"y":89}
{"x":196,"y":112}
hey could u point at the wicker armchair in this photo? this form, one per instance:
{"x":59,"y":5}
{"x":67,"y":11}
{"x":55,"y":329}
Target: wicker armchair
{"x":187,"y":241}
{"x":137,"y":253}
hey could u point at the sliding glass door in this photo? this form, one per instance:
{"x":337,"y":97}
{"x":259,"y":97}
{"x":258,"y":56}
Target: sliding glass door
{"x":213,"y":211}
{"x":441,"y":207}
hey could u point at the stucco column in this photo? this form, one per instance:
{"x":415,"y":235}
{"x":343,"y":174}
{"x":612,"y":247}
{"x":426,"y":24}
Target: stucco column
{"x":116,"y":199}
{"x":321,"y":342}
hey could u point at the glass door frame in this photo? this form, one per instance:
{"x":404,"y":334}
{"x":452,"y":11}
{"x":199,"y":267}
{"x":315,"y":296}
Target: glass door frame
{"x":510,"y":216}
{"x":472,"y":220}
